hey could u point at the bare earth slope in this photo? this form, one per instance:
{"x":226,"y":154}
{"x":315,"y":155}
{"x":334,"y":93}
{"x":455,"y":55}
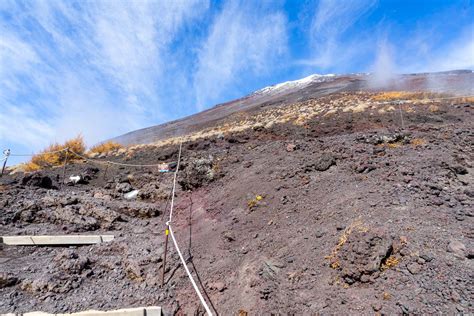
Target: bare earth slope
{"x":350,"y":203}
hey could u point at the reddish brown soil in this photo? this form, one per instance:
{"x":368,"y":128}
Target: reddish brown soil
{"x":354,"y":216}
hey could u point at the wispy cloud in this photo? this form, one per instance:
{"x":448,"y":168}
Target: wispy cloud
{"x":242,"y":38}
{"x":108,"y":67}
{"x":95,"y":67}
{"x":328,"y":26}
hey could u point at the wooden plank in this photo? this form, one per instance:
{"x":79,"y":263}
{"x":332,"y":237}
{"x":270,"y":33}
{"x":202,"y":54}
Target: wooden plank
{"x":138,"y":311}
{"x":55,"y":240}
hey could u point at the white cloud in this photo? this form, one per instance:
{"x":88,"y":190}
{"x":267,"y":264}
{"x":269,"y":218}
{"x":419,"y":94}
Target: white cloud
{"x":330,"y":21}
{"x":241,"y":39}
{"x":95,"y":67}
{"x":458,"y":54}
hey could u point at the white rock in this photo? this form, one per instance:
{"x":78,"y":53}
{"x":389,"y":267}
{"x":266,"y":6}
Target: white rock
{"x":75,"y":179}
{"x":131,"y":195}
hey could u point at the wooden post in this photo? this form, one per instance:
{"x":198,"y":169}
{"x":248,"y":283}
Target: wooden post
{"x":105,"y":172}
{"x":167,"y":231}
{"x":64,"y":169}
{"x":7,"y":154}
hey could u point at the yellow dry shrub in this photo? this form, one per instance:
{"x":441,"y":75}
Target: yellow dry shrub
{"x":389,"y":263}
{"x":386,"y":296}
{"x":394,"y":145}
{"x":105,"y":147}
{"x":357,"y":224}
{"x":466,"y":99}
{"x":417,"y":142}
{"x":55,"y":154}
{"x":407,"y":95}
{"x":254,"y":202}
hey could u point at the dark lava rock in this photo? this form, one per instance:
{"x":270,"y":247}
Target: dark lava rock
{"x":7,"y":280}
{"x":37,"y":180}
{"x":459,"y":170}
{"x":70,"y":262}
{"x":322,"y":163}
{"x":123,"y":187}
{"x":196,"y":173}
{"x":89,"y":173}
{"x":363,"y":253}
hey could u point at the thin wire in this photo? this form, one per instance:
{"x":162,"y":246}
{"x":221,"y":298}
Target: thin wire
{"x":203,"y":301}
{"x":168,"y":224}
{"x":113,"y":162}
{"x":174,"y":183}
{"x":88,"y":159}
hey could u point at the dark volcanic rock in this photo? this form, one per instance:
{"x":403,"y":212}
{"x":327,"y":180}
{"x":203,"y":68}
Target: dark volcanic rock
{"x":363,"y":255}
{"x":123,"y":187}
{"x":38,"y":180}
{"x":322,"y":163}
{"x":7,"y":280}
{"x":196,"y":173}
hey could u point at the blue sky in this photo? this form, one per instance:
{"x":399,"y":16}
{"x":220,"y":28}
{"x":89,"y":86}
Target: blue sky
{"x":103,"y":68}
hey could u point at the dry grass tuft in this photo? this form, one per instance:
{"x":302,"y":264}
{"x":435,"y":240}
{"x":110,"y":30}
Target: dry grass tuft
{"x":342,"y":240}
{"x":418,"y":142}
{"x":407,"y":95}
{"x":394,"y":145}
{"x":254,"y":202}
{"x":391,"y":262}
{"x":386,"y":296}
{"x":50,"y":157}
{"x":105,"y":147}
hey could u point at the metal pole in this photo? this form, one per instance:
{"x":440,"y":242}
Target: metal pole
{"x":7,"y":154}
{"x":167,"y":231}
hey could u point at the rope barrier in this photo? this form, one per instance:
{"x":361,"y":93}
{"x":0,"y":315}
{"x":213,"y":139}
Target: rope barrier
{"x":174,"y":184}
{"x":113,"y":162}
{"x":203,"y":301}
{"x":173,"y":238}
{"x":86,"y":158}
{"x":41,"y":153}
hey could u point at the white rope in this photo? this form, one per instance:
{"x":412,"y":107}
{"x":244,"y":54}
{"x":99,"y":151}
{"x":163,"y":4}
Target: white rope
{"x":88,"y":159}
{"x":113,"y":162}
{"x":174,"y":184}
{"x":6,"y":154}
{"x":41,"y":153}
{"x":203,"y":301}
{"x":168,"y":224}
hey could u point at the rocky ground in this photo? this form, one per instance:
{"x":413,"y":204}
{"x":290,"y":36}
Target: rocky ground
{"x":350,"y":212}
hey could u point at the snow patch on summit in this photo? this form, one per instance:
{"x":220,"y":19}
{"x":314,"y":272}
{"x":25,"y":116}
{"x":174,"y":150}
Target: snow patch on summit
{"x":295,"y":84}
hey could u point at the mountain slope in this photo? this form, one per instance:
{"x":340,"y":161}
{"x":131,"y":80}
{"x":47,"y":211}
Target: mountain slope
{"x":311,"y":87}
{"x":355,"y":202}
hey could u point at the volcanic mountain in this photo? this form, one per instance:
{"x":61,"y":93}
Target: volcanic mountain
{"x":460,"y":82}
{"x":334,"y":194}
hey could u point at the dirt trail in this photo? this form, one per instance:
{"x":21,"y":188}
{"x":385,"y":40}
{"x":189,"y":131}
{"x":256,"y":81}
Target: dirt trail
{"x":346,"y":214}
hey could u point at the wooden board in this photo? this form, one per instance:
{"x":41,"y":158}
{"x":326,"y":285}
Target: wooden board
{"x":61,"y":240}
{"x":138,"y":311}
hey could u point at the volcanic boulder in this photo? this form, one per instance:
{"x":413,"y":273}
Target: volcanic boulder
{"x":197,"y":172}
